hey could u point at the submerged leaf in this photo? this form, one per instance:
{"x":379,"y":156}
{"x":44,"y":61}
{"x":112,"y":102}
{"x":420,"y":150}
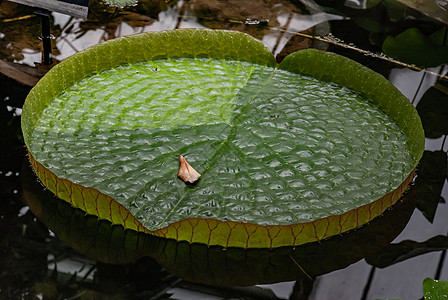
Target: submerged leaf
{"x":186,"y":172}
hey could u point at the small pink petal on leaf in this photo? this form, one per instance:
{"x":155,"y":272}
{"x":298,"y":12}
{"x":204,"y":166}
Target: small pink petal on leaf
{"x":186,"y":172}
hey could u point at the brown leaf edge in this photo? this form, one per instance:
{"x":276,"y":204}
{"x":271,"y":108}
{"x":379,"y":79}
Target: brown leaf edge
{"x":214,"y":232}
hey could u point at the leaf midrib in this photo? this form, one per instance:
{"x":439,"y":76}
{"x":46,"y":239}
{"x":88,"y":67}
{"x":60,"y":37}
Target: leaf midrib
{"x":224,"y":143}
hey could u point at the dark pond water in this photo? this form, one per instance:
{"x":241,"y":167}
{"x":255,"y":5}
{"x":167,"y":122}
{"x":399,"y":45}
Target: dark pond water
{"x":35,"y":264}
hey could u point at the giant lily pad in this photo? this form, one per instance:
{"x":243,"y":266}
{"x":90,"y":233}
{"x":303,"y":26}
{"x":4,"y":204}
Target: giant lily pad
{"x":289,"y":154}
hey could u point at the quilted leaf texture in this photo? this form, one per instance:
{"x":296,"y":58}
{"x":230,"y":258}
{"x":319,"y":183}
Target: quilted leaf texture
{"x":288,"y":154}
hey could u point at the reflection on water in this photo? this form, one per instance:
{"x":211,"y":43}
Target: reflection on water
{"x":71,"y":35}
{"x":78,"y":35}
{"x":35,"y":264}
{"x":217,"y":266}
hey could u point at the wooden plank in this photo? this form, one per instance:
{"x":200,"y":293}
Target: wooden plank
{"x":71,"y":9}
{"x":24,"y":74}
{"x":430,"y":8}
{"x":346,"y":283}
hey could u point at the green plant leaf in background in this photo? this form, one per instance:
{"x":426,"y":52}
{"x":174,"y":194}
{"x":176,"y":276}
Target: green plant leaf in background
{"x":288,"y":155}
{"x":413,"y":47}
{"x":435,"y":289}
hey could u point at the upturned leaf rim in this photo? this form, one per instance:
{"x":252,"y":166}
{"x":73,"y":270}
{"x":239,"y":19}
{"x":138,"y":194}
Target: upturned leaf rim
{"x":192,"y":43}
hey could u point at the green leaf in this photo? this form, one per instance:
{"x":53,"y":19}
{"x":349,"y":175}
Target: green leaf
{"x":435,"y":289}
{"x":288,"y":155}
{"x":413,"y":47}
